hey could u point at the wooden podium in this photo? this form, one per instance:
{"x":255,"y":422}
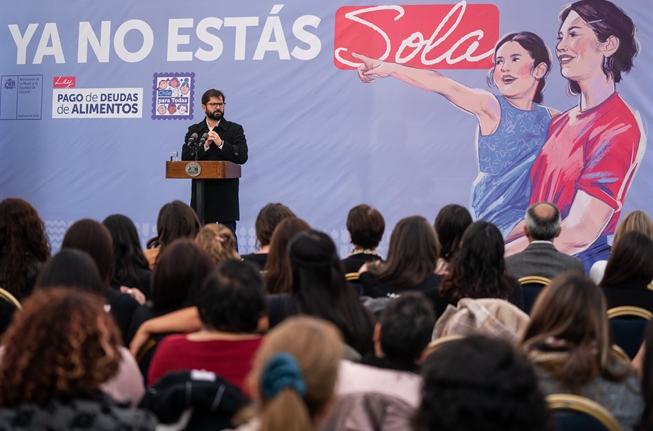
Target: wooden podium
{"x":202,"y":170}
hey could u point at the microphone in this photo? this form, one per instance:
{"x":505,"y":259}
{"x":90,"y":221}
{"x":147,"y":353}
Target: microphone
{"x":203,"y":139}
{"x":192,"y":139}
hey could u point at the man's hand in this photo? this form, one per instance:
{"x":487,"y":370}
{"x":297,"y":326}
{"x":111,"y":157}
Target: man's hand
{"x":214,"y":137}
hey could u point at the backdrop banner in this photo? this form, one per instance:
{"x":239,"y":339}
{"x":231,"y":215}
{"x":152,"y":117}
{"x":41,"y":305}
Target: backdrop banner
{"x":405,"y":107}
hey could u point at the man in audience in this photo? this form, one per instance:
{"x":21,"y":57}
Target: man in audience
{"x":400,"y":340}
{"x":233,"y":310}
{"x":366,"y":226}
{"x":541,"y":258}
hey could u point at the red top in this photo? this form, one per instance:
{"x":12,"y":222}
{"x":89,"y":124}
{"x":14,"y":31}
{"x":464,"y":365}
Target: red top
{"x":230,"y":359}
{"x":596,"y":151}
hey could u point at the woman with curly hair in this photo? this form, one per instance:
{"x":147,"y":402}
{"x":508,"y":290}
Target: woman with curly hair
{"x":57,"y":354}
{"x":24,"y":246}
{"x":477,"y":270}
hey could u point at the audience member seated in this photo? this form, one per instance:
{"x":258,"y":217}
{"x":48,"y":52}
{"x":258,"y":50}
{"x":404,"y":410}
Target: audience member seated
{"x":75,"y":269}
{"x":24,"y":247}
{"x":450,"y":225}
{"x":266,"y":221}
{"x":485,"y":316}
{"x":629,"y":271}
{"x":478,"y":383}
{"x":646,"y":421}
{"x":569,"y":341}
{"x":366,"y":226}
{"x":294,"y":374}
{"x":319,"y":289}
{"x":400,"y":340}
{"x":57,"y":354}
{"x":95,"y":239}
{"x":637,"y":221}
{"x":412,"y":255}
{"x":176,"y":220}
{"x":477,"y":270}
{"x":541,"y":258}
{"x":176,"y":281}
{"x":232,"y":309}
{"x":218,"y":241}
{"x":130,"y":267}
{"x":278,"y":273}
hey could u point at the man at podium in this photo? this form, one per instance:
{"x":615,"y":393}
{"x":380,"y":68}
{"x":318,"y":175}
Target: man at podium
{"x":215,"y":138}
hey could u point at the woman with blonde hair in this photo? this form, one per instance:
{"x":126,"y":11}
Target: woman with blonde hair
{"x":637,"y":221}
{"x":218,"y":241}
{"x":570,"y":343}
{"x":294,"y":375}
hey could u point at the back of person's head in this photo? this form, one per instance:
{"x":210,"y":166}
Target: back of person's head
{"x":178,"y":276}
{"x":637,"y":221}
{"x":218,"y":241}
{"x":646,"y":423}
{"x":23,"y":245}
{"x":319,"y":288}
{"x":95,"y":239}
{"x":631,"y":259}
{"x":71,"y":268}
{"x":233,"y":298}
{"x":450,"y":225}
{"x":406,"y":327}
{"x":479,"y":383}
{"x":63,"y":344}
{"x":128,"y":257}
{"x":412,"y":254}
{"x":542,"y":221}
{"x":366,"y":226}
{"x":572,"y":311}
{"x":294,"y":373}
{"x":477,"y":270}
{"x":267,"y":220}
{"x":278,"y":273}
{"x":176,"y":220}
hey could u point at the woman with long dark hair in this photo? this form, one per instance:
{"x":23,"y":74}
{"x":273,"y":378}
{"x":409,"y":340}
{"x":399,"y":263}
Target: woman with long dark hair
{"x":176,"y":220}
{"x":266,"y":222}
{"x":130,"y":267}
{"x":570,"y":343}
{"x":412,"y":255}
{"x":478,"y":270}
{"x":24,"y":246}
{"x":278,"y":272}
{"x":450,"y":225}
{"x":629,"y":272}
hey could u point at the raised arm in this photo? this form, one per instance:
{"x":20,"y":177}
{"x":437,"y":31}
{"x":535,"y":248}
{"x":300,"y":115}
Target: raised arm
{"x":478,"y":102}
{"x":184,"y":320}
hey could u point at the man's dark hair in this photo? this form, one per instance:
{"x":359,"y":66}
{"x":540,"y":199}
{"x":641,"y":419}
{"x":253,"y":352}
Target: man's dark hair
{"x":366,"y":226}
{"x":542,"y":228}
{"x":479,"y":383}
{"x":212,"y":93}
{"x":233,"y":298}
{"x":406,"y":327}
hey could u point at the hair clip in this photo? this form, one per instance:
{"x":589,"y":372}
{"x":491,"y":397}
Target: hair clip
{"x":596,"y":21}
{"x":219,"y":238}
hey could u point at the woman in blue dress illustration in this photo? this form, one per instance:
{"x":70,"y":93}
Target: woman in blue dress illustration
{"x":512,"y":127}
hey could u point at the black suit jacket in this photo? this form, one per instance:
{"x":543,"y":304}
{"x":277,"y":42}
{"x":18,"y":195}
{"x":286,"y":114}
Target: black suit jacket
{"x":220,"y":196}
{"x":542,"y":259}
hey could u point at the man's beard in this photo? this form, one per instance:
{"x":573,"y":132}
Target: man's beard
{"x":217,"y":116}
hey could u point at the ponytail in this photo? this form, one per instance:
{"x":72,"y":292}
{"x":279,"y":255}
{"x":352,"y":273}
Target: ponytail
{"x":284,"y":388}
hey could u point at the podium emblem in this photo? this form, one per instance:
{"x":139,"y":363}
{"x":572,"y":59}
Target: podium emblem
{"x":193,"y":169}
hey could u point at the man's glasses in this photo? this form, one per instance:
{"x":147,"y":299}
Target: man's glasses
{"x":216,"y":105}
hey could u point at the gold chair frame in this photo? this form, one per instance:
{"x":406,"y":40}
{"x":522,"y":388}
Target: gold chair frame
{"x":628,"y":310}
{"x":10,"y":298}
{"x":584,"y":405}
{"x":438,"y":342}
{"x":534,"y":279}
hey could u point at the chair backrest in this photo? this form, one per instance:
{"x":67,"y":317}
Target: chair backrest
{"x":439,"y":342}
{"x":10,"y":298}
{"x":573,"y":412}
{"x":532,"y":285}
{"x":352,"y":276}
{"x":628,"y":324}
